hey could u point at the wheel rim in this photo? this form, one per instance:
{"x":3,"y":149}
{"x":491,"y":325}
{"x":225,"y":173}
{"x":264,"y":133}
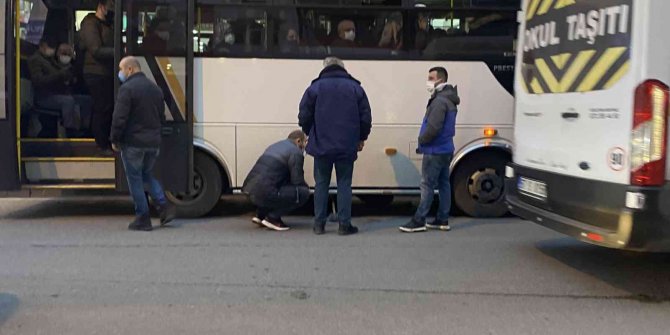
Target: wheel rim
{"x":187,"y":198}
{"x":486,"y":186}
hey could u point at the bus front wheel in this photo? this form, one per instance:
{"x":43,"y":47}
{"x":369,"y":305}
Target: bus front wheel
{"x":207,"y":189}
{"x":479,"y":184}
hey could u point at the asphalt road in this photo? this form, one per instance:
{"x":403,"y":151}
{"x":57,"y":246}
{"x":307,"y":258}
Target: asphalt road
{"x":71,"y":267}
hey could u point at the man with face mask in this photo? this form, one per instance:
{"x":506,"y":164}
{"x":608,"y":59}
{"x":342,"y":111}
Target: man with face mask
{"x":436,"y":143}
{"x":158,"y":34}
{"x":276,"y":183}
{"x":97,"y":42}
{"x":346,"y":35}
{"x":52,"y":79}
{"x":136,"y":133}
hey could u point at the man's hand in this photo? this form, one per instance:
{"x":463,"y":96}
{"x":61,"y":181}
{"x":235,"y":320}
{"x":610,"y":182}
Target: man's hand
{"x":115,"y":147}
{"x":361,"y":145}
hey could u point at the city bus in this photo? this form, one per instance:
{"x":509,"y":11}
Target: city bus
{"x":590,"y":157}
{"x":233,"y":73}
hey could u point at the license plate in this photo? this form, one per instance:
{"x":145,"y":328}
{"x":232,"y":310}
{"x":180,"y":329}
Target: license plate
{"x":533,"y":188}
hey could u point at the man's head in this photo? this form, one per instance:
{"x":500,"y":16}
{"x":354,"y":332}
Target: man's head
{"x":161,"y":28}
{"x":346,"y":30}
{"x":65,"y":53}
{"x":105,"y":11}
{"x":423,"y":22}
{"x":438,"y":75}
{"x":330,"y":61}
{"x":128,"y":67}
{"x":299,"y":138}
{"x":48,"y":47}
{"x":292,"y":35}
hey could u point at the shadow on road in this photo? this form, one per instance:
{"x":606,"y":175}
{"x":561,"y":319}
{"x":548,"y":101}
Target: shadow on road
{"x":645,"y":276}
{"x":9,"y":303}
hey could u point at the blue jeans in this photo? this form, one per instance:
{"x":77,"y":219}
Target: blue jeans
{"x":434,"y":174}
{"x":138,"y":163}
{"x":323,"y":169}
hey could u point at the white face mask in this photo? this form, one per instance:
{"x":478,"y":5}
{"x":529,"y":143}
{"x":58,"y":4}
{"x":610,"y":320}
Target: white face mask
{"x":430,"y":86}
{"x":350,"y":35}
{"x":65,"y":59}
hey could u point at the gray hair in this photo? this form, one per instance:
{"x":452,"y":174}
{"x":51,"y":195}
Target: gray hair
{"x":329,"y":61}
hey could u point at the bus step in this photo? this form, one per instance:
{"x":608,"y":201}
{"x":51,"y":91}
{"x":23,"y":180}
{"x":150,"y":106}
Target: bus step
{"x":60,"y":148}
{"x":73,"y":186}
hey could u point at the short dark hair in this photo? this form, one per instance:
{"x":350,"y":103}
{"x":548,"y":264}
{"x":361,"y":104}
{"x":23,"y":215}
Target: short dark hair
{"x":50,"y":42}
{"x":105,"y":2}
{"x":297,"y":135}
{"x":441,"y":73}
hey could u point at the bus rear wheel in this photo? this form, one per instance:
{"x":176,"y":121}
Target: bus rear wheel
{"x":479,"y":185}
{"x":207,"y":189}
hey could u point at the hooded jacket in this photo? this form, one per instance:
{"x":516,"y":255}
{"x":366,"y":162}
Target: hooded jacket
{"x":439,"y":124}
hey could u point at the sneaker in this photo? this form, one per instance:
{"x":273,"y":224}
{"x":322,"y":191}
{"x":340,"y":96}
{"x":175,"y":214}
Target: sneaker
{"x":257,"y":220}
{"x":319,"y":228}
{"x":167,"y":213}
{"x":141,"y":223}
{"x":444,"y":225}
{"x":347,"y":230}
{"x":275,"y":224}
{"x":413,"y":227}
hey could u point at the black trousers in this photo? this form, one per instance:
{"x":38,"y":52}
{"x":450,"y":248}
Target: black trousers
{"x":102,"y":91}
{"x":283,"y":202}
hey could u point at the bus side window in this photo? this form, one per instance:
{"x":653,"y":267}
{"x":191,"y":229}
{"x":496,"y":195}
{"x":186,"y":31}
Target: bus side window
{"x":235,"y":30}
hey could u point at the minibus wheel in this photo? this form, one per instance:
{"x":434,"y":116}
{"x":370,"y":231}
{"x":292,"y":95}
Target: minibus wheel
{"x":207,"y":187}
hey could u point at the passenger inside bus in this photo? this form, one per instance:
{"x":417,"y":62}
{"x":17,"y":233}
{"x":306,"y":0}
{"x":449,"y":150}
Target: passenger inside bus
{"x":156,"y":40}
{"x":53,"y":80}
{"x":346,"y":35}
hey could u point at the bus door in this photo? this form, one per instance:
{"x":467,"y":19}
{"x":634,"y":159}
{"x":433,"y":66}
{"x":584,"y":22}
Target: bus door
{"x":9,"y":166}
{"x":157,"y":32}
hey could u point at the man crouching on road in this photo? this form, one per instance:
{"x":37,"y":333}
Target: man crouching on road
{"x":136,"y":133}
{"x":276,"y":184}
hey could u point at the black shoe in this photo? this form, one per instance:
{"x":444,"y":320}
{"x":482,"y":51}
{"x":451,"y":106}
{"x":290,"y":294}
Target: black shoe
{"x":413,"y":227}
{"x":444,"y":225}
{"x":319,"y":228}
{"x":347,"y":230}
{"x":167,"y":213}
{"x":275,"y":224}
{"x":141,"y":223}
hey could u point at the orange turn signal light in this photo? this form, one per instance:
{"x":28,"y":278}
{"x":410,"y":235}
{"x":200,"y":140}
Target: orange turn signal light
{"x":490,"y":132}
{"x":391,"y":151}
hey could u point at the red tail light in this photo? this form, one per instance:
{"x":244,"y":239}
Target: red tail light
{"x":648,"y":142}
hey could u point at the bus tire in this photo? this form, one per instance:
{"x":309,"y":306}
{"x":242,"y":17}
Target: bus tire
{"x":376,"y":200}
{"x":207,"y":185}
{"x":479,"y":184}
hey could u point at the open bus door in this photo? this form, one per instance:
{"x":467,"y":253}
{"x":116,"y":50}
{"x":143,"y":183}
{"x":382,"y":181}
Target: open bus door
{"x":9,"y":166}
{"x":169,"y":63}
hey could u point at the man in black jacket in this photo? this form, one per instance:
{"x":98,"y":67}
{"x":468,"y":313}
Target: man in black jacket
{"x":97,"y":41}
{"x":136,"y":132}
{"x":276,"y":184}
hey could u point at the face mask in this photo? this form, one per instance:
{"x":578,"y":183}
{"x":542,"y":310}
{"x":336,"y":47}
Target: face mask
{"x":109,"y":17}
{"x":164,"y":35}
{"x":430,"y":86}
{"x":350,"y":35}
{"x":229,"y":39}
{"x":122,"y":77}
{"x":65,"y":59}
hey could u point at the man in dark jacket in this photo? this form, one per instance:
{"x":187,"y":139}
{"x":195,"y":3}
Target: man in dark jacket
{"x":276,"y":184}
{"x":436,"y":143}
{"x":52,"y":79}
{"x":136,"y":132}
{"x":335,"y":112}
{"x":97,"y":41}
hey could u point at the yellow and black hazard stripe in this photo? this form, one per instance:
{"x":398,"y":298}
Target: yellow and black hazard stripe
{"x":541,"y":7}
{"x":166,"y":79}
{"x":583,"y":71}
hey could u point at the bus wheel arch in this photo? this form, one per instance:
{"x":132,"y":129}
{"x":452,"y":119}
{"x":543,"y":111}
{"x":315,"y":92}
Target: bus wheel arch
{"x":210,"y":181}
{"x":477,"y":180}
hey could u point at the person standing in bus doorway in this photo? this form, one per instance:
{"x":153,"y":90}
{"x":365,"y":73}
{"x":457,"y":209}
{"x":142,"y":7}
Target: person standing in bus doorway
{"x":336,"y":114}
{"x":136,"y":133}
{"x":436,"y":143}
{"x":97,"y":41}
{"x":276,"y":183}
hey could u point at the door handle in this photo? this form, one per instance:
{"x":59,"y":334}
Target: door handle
{"x":570,"y":115}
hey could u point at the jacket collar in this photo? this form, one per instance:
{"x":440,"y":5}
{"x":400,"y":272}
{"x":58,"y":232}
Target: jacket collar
{"x":136,"y":75}
{"x":335,"y":71}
